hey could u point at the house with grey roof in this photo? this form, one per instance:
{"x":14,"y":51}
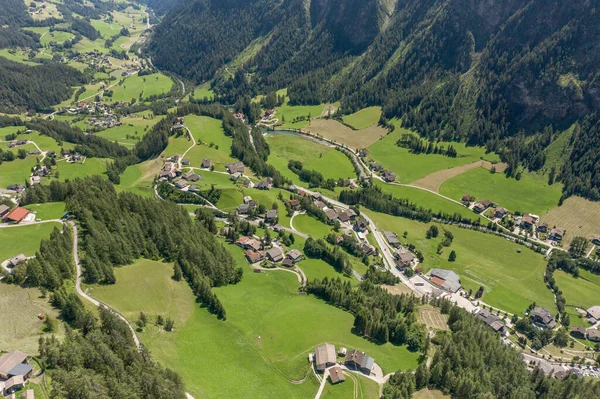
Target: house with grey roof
{"x":542,"y":317}
{"x":271,"y":216}
{"x":445,"y":279}
{"x":275,"y":254}
{"x":325,"y":356}
{"x":392,"y":238}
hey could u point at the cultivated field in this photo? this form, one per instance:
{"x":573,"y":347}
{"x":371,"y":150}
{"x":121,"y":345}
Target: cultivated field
{"x":511,"y":280}
{"x":531,"y":194}
{"x":332,"y":164}
{"x":432,"y":318}
{"x":397,"y":289}
{"x":363,"y":118}
{"x":426,"y":199}
{"x":578,"y":216}
{"x":412,"y":167}
{"x":20,"y":327}
{"x":436,"y":179}
{"x":338,"y":132}
{"x":269,"y":331}
{"x":429,"y":394}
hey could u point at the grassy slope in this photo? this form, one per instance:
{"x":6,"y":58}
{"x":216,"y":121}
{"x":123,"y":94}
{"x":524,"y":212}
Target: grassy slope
{"x":363,"y":118}
{"x":148,"y":85}
{"x":511,"y":280}
{"x":138,"y":178}
{"x":49,"y":210}
{"x":91,"y":166}
{"x":208,"y":130}
{"x":410,"y":167}
{"x":531,"y":194}
{"x":311,"y":226}
{"x":582,"y":292}
{"x":367,"y":389}
{"x":16,"y":171}
{"x":265,"y":340}
{"x":24,"y":239}
{"x":290,"y":112}
{"x":331,"y":163}
{"x":133,"y":126}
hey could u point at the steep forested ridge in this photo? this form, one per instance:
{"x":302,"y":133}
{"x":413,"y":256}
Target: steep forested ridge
{"x":489,"y":72}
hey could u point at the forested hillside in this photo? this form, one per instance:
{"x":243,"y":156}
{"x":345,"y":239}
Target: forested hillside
{"x":494,"y":73}
{"x":24,"y":87}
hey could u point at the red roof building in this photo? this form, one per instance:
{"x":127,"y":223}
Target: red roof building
{"x":16,"y":215}
{"x":438,"y":281}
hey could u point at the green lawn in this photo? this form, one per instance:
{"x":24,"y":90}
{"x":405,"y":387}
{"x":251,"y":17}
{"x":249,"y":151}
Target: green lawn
{"x":106,"y":29}
{"x":177,"y":146}
{"x":426,"y":199}
{"x":86,"y":45}
{"x":366,"y":388}
{"x":70,"y":171}
{"x":319,"y":269}
{"x":208,"y":131}
{"x":410,"y":167}
{"x":269,"y":331}
{"x":291,"y":112}
{"x":332,"y":164}
{"x":49,"y":210}
{"x":46,"y":143}
{"x":363,"y":118}
{"x":511,"y":280}
{"x":531,"y":194}
{"x":583,"y":292}
{"x":203,"y":91}
{"x":148,"y":85}
{"x":16,"y":171}
{"x":24,"y":239}
{"x":311,"y":226}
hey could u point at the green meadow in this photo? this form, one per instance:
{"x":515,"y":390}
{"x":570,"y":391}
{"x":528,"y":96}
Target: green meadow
{"x":410,"y":167}
{"x":511,"y":280}
{"x":138,"y":178}
{"x":48,"y":210}
{"x":24,"y":239}
{"x":311,"y":226}
{"x":17,"y":56}
{"x":332,"y":164}
{"x":355,"y":386}
{"x":291,"y":112}
{"x":70,"y":171}
{"x":207,"y":131}
{"x":264,"y":343}
{"x":16,"y":172}
{"x":146,"y":86}
{"x":531,"y":194}
{"x":425,"y":199}
{"x":582,"y":292}
{"x":132,"y":130}
{"x":363,"y":118}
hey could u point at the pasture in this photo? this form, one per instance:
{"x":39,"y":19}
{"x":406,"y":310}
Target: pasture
{"x":263,"y":344}
{"x":356,"y":386}
{"x":211,"y":142}
{"x":511,"y":280}
{"x":582,"y":292}
{"x":332,"y":164}
{"x":17,"y":56}
{"x":531,"y":194}
{"x":24,"y":239}
{"x":21,"y":328}
{"x":132,"y":130}
{"x":48,"y":210}
{"x":363,"y":118}
{"x":578,"y":216}
{"x":340,"y":133}
{"x":138,"y":178}
{"x":136,"y":87}
{"x":426,"y":199}
{"x":311,"y":226}
{"x":288,"y":113}
{"x":411,"y":167}
{"x":16,"y":171}
{"x":434,"y":180}
{"x":70,"y":171}
{"x":46,"y":143}
{"x":57,"y":36}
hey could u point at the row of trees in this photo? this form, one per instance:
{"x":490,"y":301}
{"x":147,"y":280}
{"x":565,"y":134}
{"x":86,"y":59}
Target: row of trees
{"x":335,"y":257}
{"x":312,"y":177}
{"x":419,"y":146}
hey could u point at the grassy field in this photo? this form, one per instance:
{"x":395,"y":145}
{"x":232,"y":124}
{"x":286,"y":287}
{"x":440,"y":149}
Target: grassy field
{"x":268,"y":333}
{"x":134,"y":86}
{"x":208,"y":131}
{"x":70,"y":171}
{"x":24,"y":239}
{"x":203,"y":91}
{"x":332,"y":164}
{"x":426,"y":199}
{"x":410,"y":167}
{"x":20,"y":328}
{"x":355,"y":386}
{"x":363,"y":118}
{"x":429,"y":394}
{"x":511,"y":280}
{"x":318,"y":269}
{"x":311,"y":226}
{"x":340,"y":133}
{"x":134,"y":127}
{"x":578,"y":216}
{"x":291,"y":112}
{"x":58,"y":37}
{"x":138,"y":178}
{"x":583,"y":292}
{"x":49,"y":210}
{"x":86,"y":45}
{"x":46,"y":143}
{"x":16,"y":171}
{"x":16,"y":56}
{"x":531,"y":194}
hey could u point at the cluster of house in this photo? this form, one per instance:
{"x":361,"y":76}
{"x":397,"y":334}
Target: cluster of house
{"x":94,"y":58}
{"x":333,"y":215}
{"x":235,"y":169}
{"x":268,"y":115}
{"x":16,"y":143}
{"x":325,"y":357}
{"x":239,"y":116}
{"x":14,"y":216}
{"x":89,"y":107}
{"x":542,"y":318}
{"x":14,"y":371}
{"x":104,"y":121}
{"x":445,"y":279}
{"x":254,"y":252}
{"x":492,"y":320}
{"x":592,"y":333}
{"x":386,"y":175}
{"x":39,"y":171}
{"x":403,"y":258}
{"x":271,"y":216}
{"x":528,"y":222}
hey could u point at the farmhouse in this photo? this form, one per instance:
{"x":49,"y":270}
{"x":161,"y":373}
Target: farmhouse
{"x":466,"y":198}
{"x":367,"y":365}
{"x":4,"y":210}
{"x":404,"y":259}
{"x":324,"y":356}
{"x":392,"y":238}
{"x":367,"y":248}
{"x":16,"y":187}
{"x":235,"y":167}
{"x":191,"y":176}
{"x":271,"y":216}
{"x":343,"y":216}
{"x":293,"y":203}
{"x":248,"y":243}
{"x":36,"y":180}
{"x":389,"y":176}
{"x":264,"y":185}
{"x":331,"y":215}
{"x":181,"y":184}
{"x":16,"y":215}
{"x":376,"y":167}
{"x":14,"y":384}
{"x":445,"y":279}
{"x":14,"y":364}
{"x":294,"y":255}
{"x":275,"y":254}
{"x":542,"y":228}
{"x":254,"y":256}
{"x":361,"y":225}
{"x":319,"y":204}
{"x":336,"y":375}
{"x":578,"y":332}
{"x":542,"y":317}
{"x":235,"y":176}
{"x":500,"y":213}
{"x":482,"y":205}
{"x":17,"y":260}
{"x":593,"y":313}
{"x":185,"y":161}
{"x":206,"y":163}
{"x":491,"y":320}
{"x":354,"y":359}
{"x":593,"y":334}
{"x":243,"y":209}
{"x":556,"y":234}
{"x":527,"y":221}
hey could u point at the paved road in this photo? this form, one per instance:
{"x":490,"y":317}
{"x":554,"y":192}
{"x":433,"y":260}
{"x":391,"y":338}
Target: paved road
{"x":7,"y":226}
